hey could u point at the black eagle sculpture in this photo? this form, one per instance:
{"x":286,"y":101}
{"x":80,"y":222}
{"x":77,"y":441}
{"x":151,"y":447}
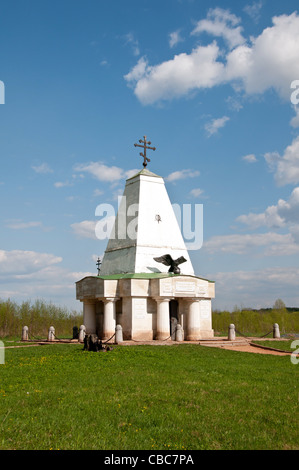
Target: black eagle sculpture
{"x":168,"y":261}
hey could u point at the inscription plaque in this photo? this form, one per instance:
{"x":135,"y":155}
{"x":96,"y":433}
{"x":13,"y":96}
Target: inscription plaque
{"x":185,"y":286}
{"x":205,"y":308}
{"x":139,"y":308}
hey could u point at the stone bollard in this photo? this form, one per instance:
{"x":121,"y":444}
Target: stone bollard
{"x":51,"y":334}
{"x":231,"y":332}
{"x":179,"y":333}
{"x":276,"y":332}
{"x":82,"y":333}
{"x":118,"y":334}
{"x":25,"y":333}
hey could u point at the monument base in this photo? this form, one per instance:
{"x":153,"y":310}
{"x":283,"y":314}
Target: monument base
{"x":147,"y":305}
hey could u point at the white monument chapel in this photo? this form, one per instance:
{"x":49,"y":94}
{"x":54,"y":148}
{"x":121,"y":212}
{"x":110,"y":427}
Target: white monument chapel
{"x":146,"y":283}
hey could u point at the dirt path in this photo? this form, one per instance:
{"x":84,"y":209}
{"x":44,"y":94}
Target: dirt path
{"x":253,"y":349}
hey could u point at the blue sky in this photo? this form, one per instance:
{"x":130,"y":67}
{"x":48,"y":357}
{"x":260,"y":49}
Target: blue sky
{"x":209,"y":83}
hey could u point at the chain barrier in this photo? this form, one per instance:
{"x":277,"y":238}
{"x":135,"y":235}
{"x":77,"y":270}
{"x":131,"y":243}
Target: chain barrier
{"x":107,"y":341}
{"x":247,"y":337}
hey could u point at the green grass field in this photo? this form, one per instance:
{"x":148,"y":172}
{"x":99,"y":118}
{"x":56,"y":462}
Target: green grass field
{"x":180,"y":397}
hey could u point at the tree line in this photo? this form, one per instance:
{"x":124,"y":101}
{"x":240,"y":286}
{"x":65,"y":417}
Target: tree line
{"x":38,"y":316}
{"x":258,"y":321}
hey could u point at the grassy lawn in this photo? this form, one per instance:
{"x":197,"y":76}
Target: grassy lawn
{"x":182,"y":397}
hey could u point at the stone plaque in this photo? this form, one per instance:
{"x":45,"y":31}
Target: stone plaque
{"x":139,"y":306}
{"x":184,"y":286}
{"x":202,"y":290}
{"x":167,"y":287}
{"x":205,"y":309}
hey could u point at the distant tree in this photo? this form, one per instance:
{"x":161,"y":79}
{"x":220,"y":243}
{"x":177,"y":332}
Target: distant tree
{"x":279,"y":305}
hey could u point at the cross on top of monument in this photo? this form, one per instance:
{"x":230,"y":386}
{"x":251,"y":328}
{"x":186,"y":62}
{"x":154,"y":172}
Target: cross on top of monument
{"x":145,"y":146}
{"x":99,"y":262}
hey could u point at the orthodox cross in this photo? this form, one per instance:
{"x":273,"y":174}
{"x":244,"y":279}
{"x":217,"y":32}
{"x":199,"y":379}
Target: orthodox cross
{"x":98,"y":265}
{"x":145,"y":146}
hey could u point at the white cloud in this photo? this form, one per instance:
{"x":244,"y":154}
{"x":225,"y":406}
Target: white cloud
{"x":31,"y":275}
{"x":213,"y":126}
{"x":269,"y":61}
{"x":18,"y":225}
{"x":131,"y":173}
{"x":272,"y":61}
{"x":221,"y":23}
{"x":102,"y":172}
{"x":62,"y":184}
{"x":246,"y":244}
{"x":138,"y":71}
{"x":17,"y":262}
{"x":276,"y":216}
{"x":133,"y":42}
{"x":178,"y":76}
{"x":175,"y":38}
{"x":257,"y":288}
{"x":295,"y":120}
{"x":98,"y":192}
{"x":251,"y":158}
{"x":182,"y":174}
{"x":253,"y":10}
{"x":286,"y":167}
{"x":42,"y":169}
{"x":196,"y":192}
{"x":85,"y":229}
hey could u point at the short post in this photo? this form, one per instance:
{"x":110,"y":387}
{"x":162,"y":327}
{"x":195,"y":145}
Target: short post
{"x":276,"y":332}
{"x":82,"y":332}
{"x":25,"y":333}
{"x":179,"y":333}
{"x":231,"y":332}
{"x":118,"y":334}
{"x":51,"y":334}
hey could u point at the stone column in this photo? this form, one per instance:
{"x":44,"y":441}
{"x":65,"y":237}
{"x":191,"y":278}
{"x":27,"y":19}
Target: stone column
{"x":193,"y":320}
{"x":109,"y":319}
{"x":89,"y":316}
{"x":163,"y":325}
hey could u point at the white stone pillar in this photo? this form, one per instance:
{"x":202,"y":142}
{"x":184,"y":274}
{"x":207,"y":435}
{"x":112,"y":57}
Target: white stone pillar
{"x":163,"y":322}
{"x":51,"y":334}
{"x":89,"y":316}
{"x":193,"y":320}
{"x":231,"y":332}
{"x":276,"y":332}
{"x":109,"y":319}
{"x":25,"y":333}
{"x":118,"y":334}
{"x":82,"y":331}
{"x":179,"y":333}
